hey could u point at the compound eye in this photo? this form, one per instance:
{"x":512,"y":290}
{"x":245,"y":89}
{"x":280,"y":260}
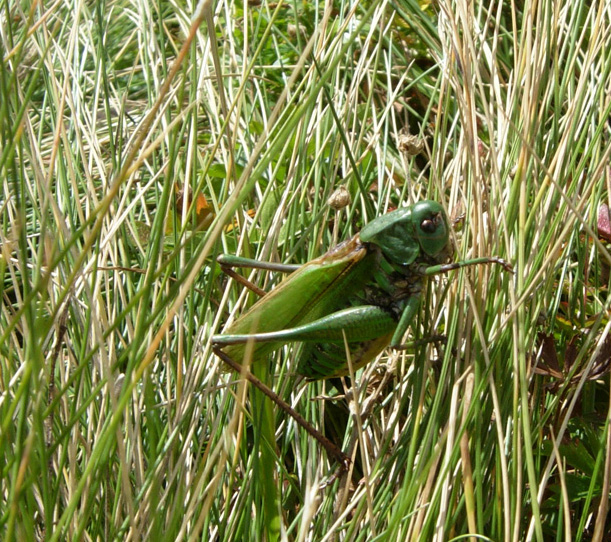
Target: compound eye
{"x":429,"y":225}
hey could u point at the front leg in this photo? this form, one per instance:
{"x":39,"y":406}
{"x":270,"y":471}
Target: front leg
{"x":445,"y":267}
{"x":413,"y":302}
{"x":409,"y":311}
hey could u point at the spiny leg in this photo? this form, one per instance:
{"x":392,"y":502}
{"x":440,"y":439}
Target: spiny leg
{"x":444,"y":268}
{"x":332,"y":450}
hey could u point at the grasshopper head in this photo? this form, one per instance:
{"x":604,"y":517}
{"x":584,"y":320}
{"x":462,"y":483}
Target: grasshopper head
{"x":430,"y":227}
{"x":405,"y":233}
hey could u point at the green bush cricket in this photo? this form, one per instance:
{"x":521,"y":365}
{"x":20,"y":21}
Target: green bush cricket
{"x":364,"y":292}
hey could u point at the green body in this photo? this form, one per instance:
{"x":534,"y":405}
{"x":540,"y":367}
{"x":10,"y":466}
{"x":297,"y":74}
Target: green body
{"x":366,"y":289}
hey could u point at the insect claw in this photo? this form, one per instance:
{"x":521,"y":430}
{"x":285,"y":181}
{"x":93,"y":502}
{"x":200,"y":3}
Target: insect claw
{"x":346,"y":464}
{"x":343,"y":467}
{"x":506,"y":265}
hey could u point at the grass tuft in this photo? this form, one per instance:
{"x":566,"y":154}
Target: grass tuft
{"x":139,"y":140}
